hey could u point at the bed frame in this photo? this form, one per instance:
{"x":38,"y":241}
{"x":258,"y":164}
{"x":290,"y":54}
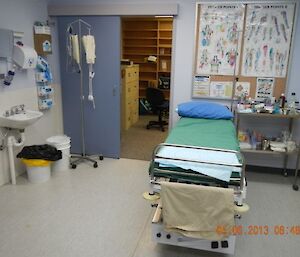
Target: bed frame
{"x":159,"y":235}
{"x":239,"y":191}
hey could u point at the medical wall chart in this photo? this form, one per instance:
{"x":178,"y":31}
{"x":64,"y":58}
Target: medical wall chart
{"x":267,"y":39}
{"x":242,"y":89}
{"x":241,"y":42}
{"x":201,"y":86}
{"x":264,"y":88}
{"x":219,"y":39}
{"x":221,"y":89}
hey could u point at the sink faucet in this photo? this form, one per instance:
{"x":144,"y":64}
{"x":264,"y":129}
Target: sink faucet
{"x":17,"y":109}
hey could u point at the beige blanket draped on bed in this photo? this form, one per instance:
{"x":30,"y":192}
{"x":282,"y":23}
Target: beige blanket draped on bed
{"x":197,"y":211}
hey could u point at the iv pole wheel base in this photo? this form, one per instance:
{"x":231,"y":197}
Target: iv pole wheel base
{"x":101,"y":157}
{"x":73,"y":166}
{"x":296,"y":187}
{"x":95,"y":165}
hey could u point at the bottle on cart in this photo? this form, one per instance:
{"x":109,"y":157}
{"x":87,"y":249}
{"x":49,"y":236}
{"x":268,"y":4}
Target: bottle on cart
{"x":292,"y":104}
{"x":282,"y":101}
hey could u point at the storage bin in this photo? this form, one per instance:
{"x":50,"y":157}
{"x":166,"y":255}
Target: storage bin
{"x":38,"y":171}
{"x":62,"y":143}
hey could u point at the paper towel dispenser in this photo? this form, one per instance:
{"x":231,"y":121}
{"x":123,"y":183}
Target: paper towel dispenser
{"x":24,"y":56}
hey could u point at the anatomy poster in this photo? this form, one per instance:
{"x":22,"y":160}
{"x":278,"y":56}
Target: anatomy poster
{"x":221,"y":89}
{"x":264,"y":88}
{"x":267,"y":39}
{"x":219,"y":38}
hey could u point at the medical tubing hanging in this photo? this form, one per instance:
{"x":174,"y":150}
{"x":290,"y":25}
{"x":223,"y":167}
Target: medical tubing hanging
{"x":89,"y":46}
{"x":91,"y":76}
{"x":73,"y":51}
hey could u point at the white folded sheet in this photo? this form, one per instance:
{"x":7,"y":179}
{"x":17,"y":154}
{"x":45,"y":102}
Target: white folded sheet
{"x":221,"y":172}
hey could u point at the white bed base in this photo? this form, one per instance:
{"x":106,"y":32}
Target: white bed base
{"x":159,"y":235}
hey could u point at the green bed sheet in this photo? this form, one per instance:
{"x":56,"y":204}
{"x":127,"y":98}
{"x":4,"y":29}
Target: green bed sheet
{"x":204,"y":133}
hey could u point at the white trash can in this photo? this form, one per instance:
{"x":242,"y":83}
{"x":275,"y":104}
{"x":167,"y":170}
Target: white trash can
{"x":62,"y":143}
{"x":38,"y":174}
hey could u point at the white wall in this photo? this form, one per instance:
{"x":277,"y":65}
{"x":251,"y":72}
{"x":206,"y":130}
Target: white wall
{"x":19,"y":15}
{"x":184,"y":25}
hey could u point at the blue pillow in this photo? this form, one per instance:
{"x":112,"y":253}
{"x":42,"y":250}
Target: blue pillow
{"x":205,"y":110}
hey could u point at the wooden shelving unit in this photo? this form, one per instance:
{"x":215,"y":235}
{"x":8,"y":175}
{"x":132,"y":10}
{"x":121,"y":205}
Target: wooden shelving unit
{"x":142,"y":37}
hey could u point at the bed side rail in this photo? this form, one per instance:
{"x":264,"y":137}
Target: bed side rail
{"x":239,"y":154}
{"x":158,"y":147}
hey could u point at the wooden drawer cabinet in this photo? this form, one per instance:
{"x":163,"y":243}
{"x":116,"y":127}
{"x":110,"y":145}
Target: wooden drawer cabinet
{"x":129,"y":96}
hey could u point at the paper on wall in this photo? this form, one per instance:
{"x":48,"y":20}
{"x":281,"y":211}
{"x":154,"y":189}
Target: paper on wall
{"x":242,"y":89}
{"x":264,"y":87}
{"x":219,"y":39}
{"x":221,"y":89}
{"x":267,"y":39}
{"x":201,"y":86}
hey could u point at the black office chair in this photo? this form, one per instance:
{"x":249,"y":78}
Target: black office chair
{"x":159,"y":105}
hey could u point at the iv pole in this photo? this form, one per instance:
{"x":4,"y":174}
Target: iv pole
{"x":235,"y":78}
{"x":79,"y":158}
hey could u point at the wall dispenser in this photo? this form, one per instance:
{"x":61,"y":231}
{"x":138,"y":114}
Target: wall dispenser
{"x":24,"y":56}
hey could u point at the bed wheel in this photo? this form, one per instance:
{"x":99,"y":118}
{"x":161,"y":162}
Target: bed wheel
{"x":73,"y":166}
{"x":158,"y":235}
{"x":168,"y":236}
{"x":101,"y":157}
{"x":95,"y":165}
{"x":296,"y":187}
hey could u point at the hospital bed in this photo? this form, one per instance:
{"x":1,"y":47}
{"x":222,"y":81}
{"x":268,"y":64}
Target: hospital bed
{"x":198,"y":152}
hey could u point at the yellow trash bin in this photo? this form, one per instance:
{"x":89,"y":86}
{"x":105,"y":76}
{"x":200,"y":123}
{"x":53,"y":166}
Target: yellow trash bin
{"x":37,"y":170}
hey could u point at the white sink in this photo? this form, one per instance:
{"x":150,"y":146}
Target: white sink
{"x":20,"y":120}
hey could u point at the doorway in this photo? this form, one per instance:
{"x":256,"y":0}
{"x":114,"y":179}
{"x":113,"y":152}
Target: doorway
{"x":146,"y":55}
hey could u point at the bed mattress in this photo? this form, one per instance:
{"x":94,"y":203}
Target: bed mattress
{"x":205,"y":133}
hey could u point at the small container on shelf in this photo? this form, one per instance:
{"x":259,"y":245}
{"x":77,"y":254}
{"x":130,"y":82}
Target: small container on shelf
{"x":41,"y":77}
{"x":45,"y":104}
{"x":292,"y":104}
{"x":282,"y":101}
{"x":45,"y":91}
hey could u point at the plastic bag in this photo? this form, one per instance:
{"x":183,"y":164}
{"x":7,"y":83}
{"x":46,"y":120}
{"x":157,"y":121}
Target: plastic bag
{"x":41,"y":152}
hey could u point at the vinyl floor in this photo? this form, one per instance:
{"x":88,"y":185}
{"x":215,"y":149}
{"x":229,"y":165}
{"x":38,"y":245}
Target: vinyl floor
{"x":91,"y":212}
{"x":138,"y":142}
